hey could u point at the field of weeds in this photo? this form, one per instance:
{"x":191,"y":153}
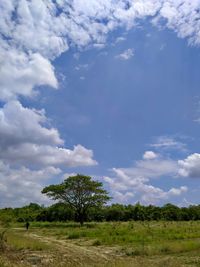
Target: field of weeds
{"x":173,"y":244}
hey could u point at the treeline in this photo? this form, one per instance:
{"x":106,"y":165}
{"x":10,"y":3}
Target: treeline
{"x":116,"y":212}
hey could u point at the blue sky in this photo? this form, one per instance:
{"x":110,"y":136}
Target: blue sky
{"x":122,"y":106}
{"x":109,"y":89}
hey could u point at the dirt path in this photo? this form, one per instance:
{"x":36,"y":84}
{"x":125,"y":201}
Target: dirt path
{"x":60,"y":252}
{"x":71,"y":254}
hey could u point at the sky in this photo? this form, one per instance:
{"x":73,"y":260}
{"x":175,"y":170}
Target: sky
{"x":106,"y":88}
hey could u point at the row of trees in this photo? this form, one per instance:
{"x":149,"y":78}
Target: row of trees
{"x":79,"y":198}
{"x":115,"y":212}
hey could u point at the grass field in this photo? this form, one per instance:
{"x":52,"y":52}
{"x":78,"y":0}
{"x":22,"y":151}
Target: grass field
{"x":172,"y":244}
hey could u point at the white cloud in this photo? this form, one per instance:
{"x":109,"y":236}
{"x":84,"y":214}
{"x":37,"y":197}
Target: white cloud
{"x":34,"y":32}
{"x":168,"y":142}
{"x":120,"y":39}
{"x":126,"y":55}
{"x":190,"y":167}
{"x":20,"y":186}
{"x":48,"y":27}
{"x":21,"y":72}
{"x":23,"y":125}
{"x":178,"y":191}
{"x":30,"y":154}
{"x":129,"y":185}
{"x":153,"y":168}
{"x":150,"y":155}
{"x":186,"y":203}
{"x":182,"y":16}
{"x":34,"y":27}
{"x":25,"y":139}
{"x":123,"y":197}
{"x":126,"y":187}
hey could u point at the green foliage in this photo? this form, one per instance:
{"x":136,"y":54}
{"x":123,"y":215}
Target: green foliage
{"x":61,"y":212}
{"x":26,"y":213}
{"x":80,"y":192}
{"x":57,"y":212}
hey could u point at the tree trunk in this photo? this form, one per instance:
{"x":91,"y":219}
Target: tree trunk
{"x":81,"y":219}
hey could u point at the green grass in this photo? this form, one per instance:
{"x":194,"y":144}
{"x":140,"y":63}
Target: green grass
{"x":19,"y":241}
{"x":146,"y":237}
{"x":138,"y":243}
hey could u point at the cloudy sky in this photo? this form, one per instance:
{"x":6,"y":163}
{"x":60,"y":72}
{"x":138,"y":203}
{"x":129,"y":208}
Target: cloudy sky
{"x":107,"y":88}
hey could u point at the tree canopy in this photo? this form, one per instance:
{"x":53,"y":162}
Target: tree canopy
{"x":80,"y":192}
{"x":62,"y":212}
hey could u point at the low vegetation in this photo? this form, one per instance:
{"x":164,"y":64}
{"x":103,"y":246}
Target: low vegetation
{"x":148,"y":238}
{"x":104,"y":244}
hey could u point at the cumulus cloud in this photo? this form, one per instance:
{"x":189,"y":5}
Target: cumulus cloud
{"x":30,"y":150}
{"x":21,"y":72}
{"x":183,"y":17}
{"x":150,"y":155}
{"x":123,"y":197}
{"x":153,"y":168}
{"x":126,"y":187}
{"x":134,"y":183}
{"x":28,"y":154}
{"x":190,"y":167}
{"x":49,"y":27}
{"x":33,"y":26}
{"x":178,"y":191}
{"x":34,"y":32}
{"x":23,"y":125}
{"x":19,"y":186}
{"x":126,"y":55}
{"x":26,"y":139}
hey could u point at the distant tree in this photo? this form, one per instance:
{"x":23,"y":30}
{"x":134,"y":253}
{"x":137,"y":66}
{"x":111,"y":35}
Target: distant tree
{"x":152,"y":213}
{"x":33,"y":206}
{"x":138,"y":212}
{"x":194,"y":212}
{"x":115,"y":212}
{"x":170,"y":212}
{"x":80,"y":192}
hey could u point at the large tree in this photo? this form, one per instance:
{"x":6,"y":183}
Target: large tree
{"x":80,"y":192}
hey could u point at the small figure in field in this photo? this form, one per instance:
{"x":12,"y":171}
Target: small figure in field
{"x":27,"y":225}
